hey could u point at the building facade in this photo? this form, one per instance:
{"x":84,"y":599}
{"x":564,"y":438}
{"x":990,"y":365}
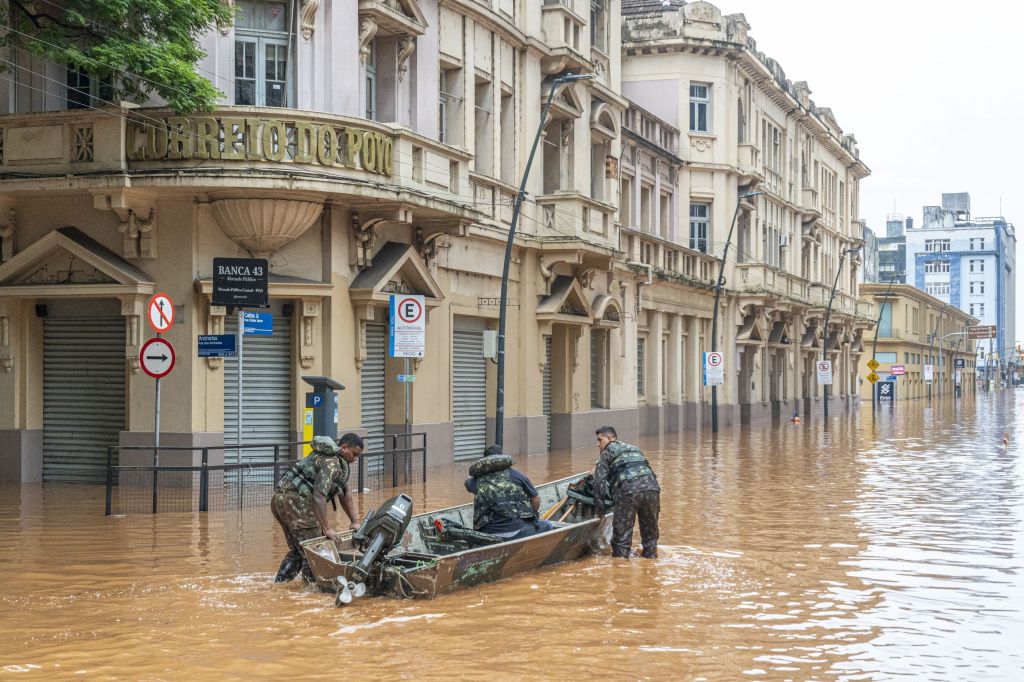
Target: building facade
{"x":916,"y":330}
{"x":892,"y":250}
{"x":970,"y":263}
{"x":745,"y":127}
{"x":374,"y":147}
{"x":869,"y":267}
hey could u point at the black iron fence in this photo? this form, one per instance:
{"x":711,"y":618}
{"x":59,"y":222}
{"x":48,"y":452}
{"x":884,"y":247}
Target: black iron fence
{"x":200,"y":486}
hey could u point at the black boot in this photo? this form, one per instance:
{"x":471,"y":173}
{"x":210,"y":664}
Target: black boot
{"x":290,"y":567}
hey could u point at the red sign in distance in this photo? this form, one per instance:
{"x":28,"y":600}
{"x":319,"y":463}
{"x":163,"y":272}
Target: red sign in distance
{"x":409,"y":310}
{"x":157,"y":357}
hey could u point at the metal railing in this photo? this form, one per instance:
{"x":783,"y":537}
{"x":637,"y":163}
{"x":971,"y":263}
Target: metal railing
{"x":188,"y":486}
{"x":396,"y":465}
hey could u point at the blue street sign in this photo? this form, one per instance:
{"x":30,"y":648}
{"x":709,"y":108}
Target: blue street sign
{"x":886,"y":391}
{"x":406,"y":378}
{"x":217,"y":346}
{"x":258,"y":324}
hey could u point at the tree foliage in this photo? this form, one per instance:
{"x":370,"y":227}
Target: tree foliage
{"x":143,"y":47}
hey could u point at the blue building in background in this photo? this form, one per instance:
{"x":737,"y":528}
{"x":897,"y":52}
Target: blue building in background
{"x":969,"y":263}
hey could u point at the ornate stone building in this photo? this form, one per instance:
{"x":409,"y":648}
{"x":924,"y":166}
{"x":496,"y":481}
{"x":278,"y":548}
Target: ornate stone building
{"x":753,"y":144}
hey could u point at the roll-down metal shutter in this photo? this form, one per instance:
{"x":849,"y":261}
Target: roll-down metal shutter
{"x":371,"y":377}
{"x":83,"y":396}
{"x":546,"y":386}
{"x":266,"y":392}
{"x":469,"y":393}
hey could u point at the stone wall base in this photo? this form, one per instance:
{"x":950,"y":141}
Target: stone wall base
{"x":21,"y":456}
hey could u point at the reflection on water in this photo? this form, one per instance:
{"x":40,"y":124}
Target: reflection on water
{"x":883,"y":546}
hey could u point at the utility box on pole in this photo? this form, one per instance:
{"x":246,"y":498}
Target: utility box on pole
{"x":322,"y":405}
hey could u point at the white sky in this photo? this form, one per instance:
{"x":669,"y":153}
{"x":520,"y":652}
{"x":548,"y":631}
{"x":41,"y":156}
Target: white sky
{"x":931,"y":90}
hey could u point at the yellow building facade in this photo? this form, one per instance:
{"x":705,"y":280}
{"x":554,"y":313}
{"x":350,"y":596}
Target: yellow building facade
{"x":916,"y":330}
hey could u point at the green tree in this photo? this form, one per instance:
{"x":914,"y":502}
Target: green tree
{"x":141,"y":47}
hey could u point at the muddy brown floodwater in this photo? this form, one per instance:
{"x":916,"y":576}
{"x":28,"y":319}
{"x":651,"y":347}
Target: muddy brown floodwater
{"x":885,"y":546}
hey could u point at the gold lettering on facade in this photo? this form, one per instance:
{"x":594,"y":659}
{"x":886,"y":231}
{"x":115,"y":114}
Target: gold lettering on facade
{"x":255,"y":139}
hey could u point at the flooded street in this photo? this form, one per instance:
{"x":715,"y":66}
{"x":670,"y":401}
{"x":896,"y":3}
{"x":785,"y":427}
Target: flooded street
{"x":889,"y":545}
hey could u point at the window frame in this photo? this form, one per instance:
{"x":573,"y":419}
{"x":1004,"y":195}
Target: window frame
{"x":700,"y":223}
{"x":262,"y":39}
{"x":698,"y":102}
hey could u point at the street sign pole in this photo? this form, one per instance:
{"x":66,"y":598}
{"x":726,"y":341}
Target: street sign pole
{"x":238,"y":424}
{"x":156,"y":439}
{"x":405,"y":384}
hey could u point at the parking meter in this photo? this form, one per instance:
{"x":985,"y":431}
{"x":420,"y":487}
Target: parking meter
{"x":321,"y":413}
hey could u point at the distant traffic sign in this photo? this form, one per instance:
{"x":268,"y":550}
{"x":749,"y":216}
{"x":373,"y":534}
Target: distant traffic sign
{"x":928,"y":373}
{"x":406,"y":378}
{"x":161,"y":313}
{"x":983,"y":331}
{"x":898,"y":370}
{"x":824,"y":372}
{"x":714,"y":369}
{"x":872,"y":377}
{"x":157,"y":357}
{"x":872,"y":365}
{"x":960,"y":363}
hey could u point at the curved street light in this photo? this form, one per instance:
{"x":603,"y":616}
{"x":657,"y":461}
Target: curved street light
{"x":828,"y":313}
{"x":719,"y":283}
{"x":499,"y":403}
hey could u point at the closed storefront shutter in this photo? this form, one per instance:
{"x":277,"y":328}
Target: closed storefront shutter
{"x":83,"y":396}
{"x":371,"y":398}
{"x":266,"y":392}
{"x":469,"y":399}
{"x":596,"y":367}
{"x":546,"y":385}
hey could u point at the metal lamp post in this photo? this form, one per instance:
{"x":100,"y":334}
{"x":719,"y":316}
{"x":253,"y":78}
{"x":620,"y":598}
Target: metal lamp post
{"x":719,"y":283}
{"x":828,"y":313}
{"x":931,"y":349}
{"x":874,"y":341}
{"x":499,"y":403}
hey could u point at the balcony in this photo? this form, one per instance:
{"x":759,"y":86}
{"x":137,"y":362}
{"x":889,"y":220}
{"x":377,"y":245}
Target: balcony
{"x":810,"y":208}
{"x":749,"y":162}
{"x":757,"y":278}
{"x":563,"y":31}
{"x":571,"y":214}
{"x":238,"y":148}
{"x":668,"y":260}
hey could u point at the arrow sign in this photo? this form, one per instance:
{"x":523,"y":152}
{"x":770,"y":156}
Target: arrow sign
{"x":872,"y":364}
{"x":873,"y":377}
{"x":157,"y":357}
{"x":161,"y":313}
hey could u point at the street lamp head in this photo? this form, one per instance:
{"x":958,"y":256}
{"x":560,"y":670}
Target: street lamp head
{"x":573,"y":77}
{"x":747,"y":195}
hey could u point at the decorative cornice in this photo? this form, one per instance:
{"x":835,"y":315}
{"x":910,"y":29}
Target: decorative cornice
{"x":307,"y":17}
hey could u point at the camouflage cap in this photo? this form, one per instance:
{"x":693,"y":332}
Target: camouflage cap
{"x":324,"y":445}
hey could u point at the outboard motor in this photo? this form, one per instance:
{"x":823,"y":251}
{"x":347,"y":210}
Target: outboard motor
{"x":379,"y":533}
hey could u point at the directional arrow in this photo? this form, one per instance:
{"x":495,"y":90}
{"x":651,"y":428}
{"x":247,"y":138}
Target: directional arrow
{"x":157,"y":357}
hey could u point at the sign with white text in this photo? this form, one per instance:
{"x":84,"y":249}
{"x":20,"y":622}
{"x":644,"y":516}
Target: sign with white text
{"x":407,"y":333}
{"x":824,"y":372}
{"x":241,"y":282}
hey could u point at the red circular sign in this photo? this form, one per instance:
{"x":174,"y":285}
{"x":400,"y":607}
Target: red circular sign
{"x":160,"y":313}
{"x":409,"y":310}
{"x":157,"y":357}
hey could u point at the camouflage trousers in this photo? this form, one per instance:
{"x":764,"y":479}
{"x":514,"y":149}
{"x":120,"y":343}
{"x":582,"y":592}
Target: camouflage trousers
{"x":295,"y":514}
{"x":645,"y":505}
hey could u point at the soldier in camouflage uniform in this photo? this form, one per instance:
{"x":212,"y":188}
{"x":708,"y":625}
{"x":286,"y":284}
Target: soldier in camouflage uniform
{"x":506,"y":501}
{"x":623,"y":471}
{"x":300,"y":499}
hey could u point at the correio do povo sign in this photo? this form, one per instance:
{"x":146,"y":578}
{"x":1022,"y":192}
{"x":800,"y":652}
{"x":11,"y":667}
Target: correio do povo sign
{"x":241,"y":282}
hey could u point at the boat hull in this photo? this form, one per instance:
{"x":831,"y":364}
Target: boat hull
{"x":423,"y":566}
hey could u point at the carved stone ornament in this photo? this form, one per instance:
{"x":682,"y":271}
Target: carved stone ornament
{"x":307,"y":17}
{"x":366,"y":238}
{"x":264,"y":226}
{"x":406,"y":46}
{"x":701,"y":144}
{"x":367,"y":30}
{"x":225,"y":28}
{"x":310,"y":313}
{"x":215,"y":325}
{"x":132,"y":308}
{"x":139,"y":235}
{"x":7,"y":236}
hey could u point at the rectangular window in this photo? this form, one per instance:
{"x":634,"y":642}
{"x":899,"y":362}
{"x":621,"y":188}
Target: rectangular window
{"x":84,"y":90}
{"x":885,"y":321}
{"x":937,"y":288}
{"x":885,"y":358}
{"x":978,"y":310}
{"x":977,"y":265}
{"x":977,"y":244}
{"x":641,"y":345}
{"x":371,"y":82}
{"x":599,"y":24}
{"x":977,"y":287}
{"x":699,"y":219}
{"x":935,"y":245}
{"x":261,"y":54}
{"x":700,"y":104}
{"x":936,"y":266}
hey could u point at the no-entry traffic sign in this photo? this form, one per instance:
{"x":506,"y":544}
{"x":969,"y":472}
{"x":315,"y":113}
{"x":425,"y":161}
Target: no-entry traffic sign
{"x":157,"y":357}
{"x":407,"y":337}
{"x":161,"y":313}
